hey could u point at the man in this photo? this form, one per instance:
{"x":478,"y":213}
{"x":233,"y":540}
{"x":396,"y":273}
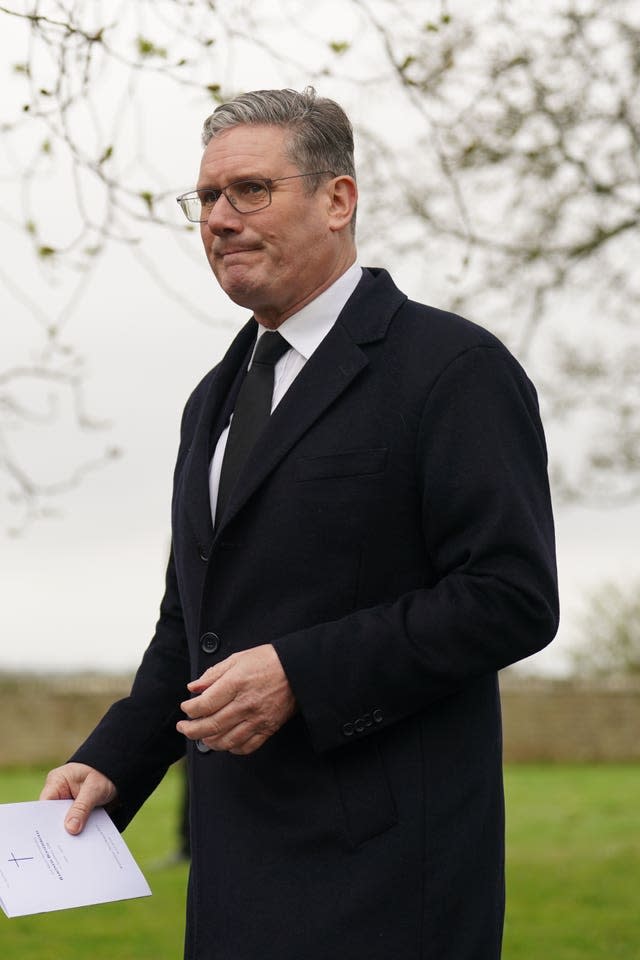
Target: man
{"x":341,"y":605}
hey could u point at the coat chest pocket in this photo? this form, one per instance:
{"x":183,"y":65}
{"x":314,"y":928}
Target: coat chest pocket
{"x":351,"y":463}
{"x":365,"y":793}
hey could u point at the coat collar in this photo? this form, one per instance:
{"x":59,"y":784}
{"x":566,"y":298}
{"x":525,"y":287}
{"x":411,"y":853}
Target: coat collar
{"x":369,"y":310}
{"x":338,"y":360}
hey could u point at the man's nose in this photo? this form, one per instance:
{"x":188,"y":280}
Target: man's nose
{"x":223,"y":217}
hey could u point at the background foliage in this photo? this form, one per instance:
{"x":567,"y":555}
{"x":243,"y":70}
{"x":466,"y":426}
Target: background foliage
{"x":498,"y":149}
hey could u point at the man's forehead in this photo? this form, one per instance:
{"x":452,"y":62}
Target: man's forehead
{"x":250,"y":145}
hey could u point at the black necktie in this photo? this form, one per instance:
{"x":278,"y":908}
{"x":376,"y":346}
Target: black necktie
{"x":251,"y":412}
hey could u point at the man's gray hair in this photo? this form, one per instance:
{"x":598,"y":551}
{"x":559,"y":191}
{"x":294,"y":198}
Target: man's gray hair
{"x":320,"y":134}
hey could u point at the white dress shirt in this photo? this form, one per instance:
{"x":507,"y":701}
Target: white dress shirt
{"x":305,"y":331}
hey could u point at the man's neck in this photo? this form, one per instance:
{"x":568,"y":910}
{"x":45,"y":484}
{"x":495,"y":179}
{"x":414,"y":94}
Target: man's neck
{"x":272,"y":318}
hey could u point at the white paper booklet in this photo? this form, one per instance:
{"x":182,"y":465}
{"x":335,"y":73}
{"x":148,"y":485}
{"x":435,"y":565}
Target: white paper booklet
{"x":44,"y":868}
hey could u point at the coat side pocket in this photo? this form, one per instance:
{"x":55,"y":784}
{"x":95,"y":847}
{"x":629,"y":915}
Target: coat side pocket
{"x":365,"y":794}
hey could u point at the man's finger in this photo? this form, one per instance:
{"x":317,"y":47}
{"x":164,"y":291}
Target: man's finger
{"x":55,"y":788}
{"x":249,"y":746}
{"x":210,"y":676}
{"x":205,"y":724}
{"x":77,"y":817}
{"x":211,"y":700}
{"x":233,"y":739}
{"x":96,"y":791}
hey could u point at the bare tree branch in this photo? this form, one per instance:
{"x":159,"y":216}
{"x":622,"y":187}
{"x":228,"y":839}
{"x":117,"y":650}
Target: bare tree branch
{"x":514,"y":190}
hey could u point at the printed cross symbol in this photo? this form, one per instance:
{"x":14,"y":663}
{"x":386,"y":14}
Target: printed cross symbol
{"x":17,"y":860}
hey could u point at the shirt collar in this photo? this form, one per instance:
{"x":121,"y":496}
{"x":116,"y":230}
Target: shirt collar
{"x":306,"y":329}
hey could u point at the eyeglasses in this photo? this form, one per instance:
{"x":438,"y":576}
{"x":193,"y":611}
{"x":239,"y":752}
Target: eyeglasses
{"x":245,"y":196}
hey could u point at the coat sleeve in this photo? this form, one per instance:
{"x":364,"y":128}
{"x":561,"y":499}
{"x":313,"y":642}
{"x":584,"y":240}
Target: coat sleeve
{"x":136,"y":741}
{"x":488,"y":533}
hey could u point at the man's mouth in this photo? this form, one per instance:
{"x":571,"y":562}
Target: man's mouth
{"x":232,"y":251}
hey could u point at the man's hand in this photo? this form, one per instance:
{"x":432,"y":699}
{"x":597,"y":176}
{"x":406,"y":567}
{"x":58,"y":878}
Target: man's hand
{"x":88,"y":787}
{"x":240,"y":702}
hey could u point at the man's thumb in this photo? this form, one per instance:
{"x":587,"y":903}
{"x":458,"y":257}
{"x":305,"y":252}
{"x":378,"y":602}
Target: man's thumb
{"x":79,"y":811}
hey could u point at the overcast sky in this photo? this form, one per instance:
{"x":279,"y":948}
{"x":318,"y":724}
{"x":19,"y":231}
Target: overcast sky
{"x":81,"y":591}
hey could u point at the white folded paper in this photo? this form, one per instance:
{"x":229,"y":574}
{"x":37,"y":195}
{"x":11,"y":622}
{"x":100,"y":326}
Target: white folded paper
{"x":43,"y":868}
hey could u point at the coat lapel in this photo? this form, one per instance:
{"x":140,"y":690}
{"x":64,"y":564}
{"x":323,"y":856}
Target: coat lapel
{"x":213,"y":417}
{"x":335,"y":364}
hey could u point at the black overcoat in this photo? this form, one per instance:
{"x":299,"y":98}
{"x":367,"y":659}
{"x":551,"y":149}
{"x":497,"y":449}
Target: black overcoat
{"x":392,"y":536}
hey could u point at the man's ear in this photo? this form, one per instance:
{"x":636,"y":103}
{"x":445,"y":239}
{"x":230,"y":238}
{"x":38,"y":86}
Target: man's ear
{"x":342,"y":195}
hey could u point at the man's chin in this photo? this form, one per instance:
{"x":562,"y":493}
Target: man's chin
{"x":241,"y":292}
{"x":236,"y":283}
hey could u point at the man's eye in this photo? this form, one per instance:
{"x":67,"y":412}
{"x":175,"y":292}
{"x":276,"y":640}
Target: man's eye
{"x":250,"y":189}
{"x":208,"y":197}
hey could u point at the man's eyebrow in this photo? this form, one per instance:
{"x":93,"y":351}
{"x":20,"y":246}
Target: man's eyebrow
{"x":245,"y":176}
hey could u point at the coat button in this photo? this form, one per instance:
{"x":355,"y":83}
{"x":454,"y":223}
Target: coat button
{"x":209,"y":642}
{"x":359,"y":725}
{"x":347,"y":729}
{"x":204,"y":556}
{"x":378,"y":716}
{"x":202,"y":747}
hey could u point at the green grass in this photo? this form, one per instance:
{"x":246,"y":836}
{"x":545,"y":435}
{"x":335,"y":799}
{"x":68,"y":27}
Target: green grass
{"x":146,"y":929}
{"x":573,"y":863}
{"x":573,"y":875}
